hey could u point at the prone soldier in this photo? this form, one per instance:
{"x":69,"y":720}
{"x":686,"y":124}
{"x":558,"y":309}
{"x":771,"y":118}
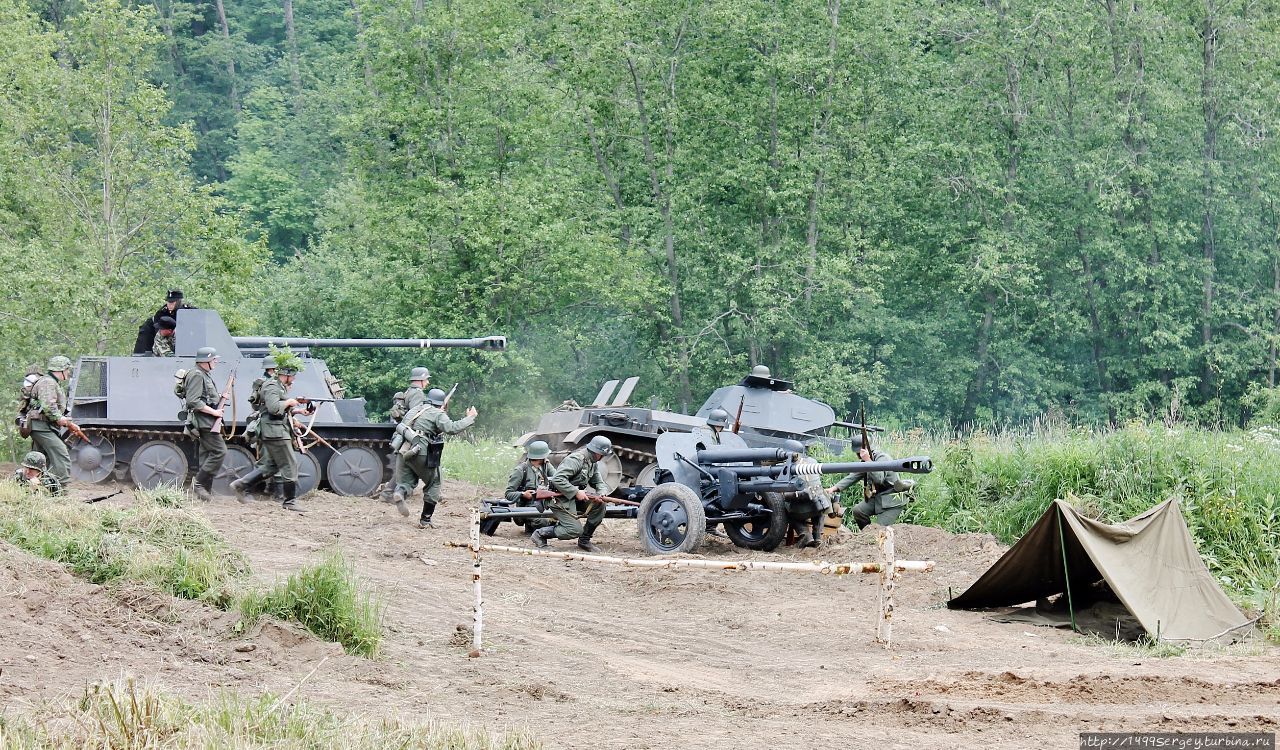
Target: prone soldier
{"x":33,"y":475}
{"x":424,"y":430}
{"x":578,"y":472}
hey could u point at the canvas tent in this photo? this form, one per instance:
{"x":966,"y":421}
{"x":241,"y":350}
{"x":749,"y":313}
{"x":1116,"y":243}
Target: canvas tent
{"x":1149,"y":562}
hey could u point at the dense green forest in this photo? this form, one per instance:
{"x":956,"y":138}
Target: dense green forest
{"x":958,"y":212}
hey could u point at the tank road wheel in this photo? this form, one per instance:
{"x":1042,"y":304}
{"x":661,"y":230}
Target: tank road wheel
{"x":239,"y":461}
{"x":611,"y":470}
{"x":93,"y":461}
{"x":764,"y":534}
{"x":671,"y":520}
{"x":308,"y":472}
{"x":354,"y":471}
{"x":158,"y":462}
{"x":648,"y":475}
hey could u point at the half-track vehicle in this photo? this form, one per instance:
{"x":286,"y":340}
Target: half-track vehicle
{"x":127,"y":407}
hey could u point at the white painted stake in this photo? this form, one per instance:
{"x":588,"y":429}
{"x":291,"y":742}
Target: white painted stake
{"x":888,"y":579}
{"x":477,"y":616}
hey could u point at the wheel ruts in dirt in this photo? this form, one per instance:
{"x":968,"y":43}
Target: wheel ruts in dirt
{"x":354,"y":471}
{"x":671,"y":519}
{"x":93,"y":461}
{"x":239,"y":461}
{"x":763,"y":534}
{"x":158,"y":462}
{"x":308,"y":472}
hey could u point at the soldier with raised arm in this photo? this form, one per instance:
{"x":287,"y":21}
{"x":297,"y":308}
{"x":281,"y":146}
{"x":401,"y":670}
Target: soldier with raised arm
{"x":425,"y":429}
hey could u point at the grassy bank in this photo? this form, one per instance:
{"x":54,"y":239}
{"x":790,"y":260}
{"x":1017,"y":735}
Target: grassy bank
{"x":161,"y":543}
{"x":128,"y":716}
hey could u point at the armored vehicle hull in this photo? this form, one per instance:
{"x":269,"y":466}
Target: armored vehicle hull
{"x":127,"y":407}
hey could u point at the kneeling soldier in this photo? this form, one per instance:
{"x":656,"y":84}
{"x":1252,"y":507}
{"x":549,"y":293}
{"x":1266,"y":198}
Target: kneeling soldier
{"x":531,"y":475}
{"x":578,"y":472}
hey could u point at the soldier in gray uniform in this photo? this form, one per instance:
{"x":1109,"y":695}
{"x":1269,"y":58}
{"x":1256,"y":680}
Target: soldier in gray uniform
{"x":529,"y":476}
{"x":202,"y":411}
{"x":406,"y":401}
{"x":578,"y":472}
{"x":427,"y":425}
{"x":253,"y":432}
{"x":883,"y":501}
{"x":33,"y":476}
{"x":48,"y":412}
{"x":276,"y":433}
{"x":717,"y":421}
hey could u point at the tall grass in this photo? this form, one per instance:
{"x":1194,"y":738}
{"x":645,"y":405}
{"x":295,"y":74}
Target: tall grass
{"x":128,"y":716}
{"x":327,"y":600}
{"x":1228,"y":484}
{"x":486,"y":461}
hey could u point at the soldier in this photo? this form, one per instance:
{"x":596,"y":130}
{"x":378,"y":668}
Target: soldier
{"x":202,"y":411}
{"x":882,"y":501}
{"x":32,"y":475}
{"x":428,"y":424}
{"x":717,"y":420}
{"x":253,"y":431}
{"x":578,"y":472}
{"x":275,"y":432}
{"x":173,"y":302}
{"x":163,"y":346}
{"x":48,"y":412}
{"x":806,"y":512}
{"x":528,"y":477}
{"x":405,"y":402}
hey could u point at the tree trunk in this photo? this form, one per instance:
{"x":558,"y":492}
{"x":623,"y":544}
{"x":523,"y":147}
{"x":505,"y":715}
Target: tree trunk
{"x":1209,"y":94}
{"x":166,"y":23}
{"x":610,"y":179}
{"x":291,"y":42}
{"x":819,"y":138}
{"x":231,"y":61}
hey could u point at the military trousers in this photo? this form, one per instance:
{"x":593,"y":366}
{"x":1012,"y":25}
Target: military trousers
{"x":278,"y":460}
{"x":885,"y":507}
{"x":46,"y":441}
{"x":211,"y":448}
{"x":567,"y":524}
{"x":413,"y":469}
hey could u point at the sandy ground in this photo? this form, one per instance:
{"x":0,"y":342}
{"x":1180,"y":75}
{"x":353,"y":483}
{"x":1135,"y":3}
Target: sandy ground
{"x":606,"y":657}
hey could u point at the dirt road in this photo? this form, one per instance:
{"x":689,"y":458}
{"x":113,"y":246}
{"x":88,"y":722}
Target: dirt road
{"x":604,"y":657}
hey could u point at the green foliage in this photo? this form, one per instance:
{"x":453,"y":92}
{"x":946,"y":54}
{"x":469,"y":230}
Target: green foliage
{"x":287,"y":359}
{"x":126,"y":715}
{"x":155,"y":542}
{"x":485,"y":462}
{"x":327,"y":600}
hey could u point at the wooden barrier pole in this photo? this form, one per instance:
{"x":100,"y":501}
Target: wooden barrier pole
{"x":477,"y":616}
{"x":888,"y":579}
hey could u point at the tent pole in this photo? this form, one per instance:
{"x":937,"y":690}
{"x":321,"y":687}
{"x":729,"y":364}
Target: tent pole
{"x":1062,"y":542}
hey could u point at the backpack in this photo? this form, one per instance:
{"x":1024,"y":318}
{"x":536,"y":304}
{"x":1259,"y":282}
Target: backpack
{"x":255,"y":394}
{"x":24,"y":401}
{"x":180,"y":386}
{"x":399,"y":407}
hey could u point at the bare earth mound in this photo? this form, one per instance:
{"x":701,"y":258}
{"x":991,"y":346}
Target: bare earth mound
{"x":589,"y":656}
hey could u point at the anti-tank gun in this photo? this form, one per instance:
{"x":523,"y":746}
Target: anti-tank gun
{"x":702,"y":483}
{"x":127,"y":406}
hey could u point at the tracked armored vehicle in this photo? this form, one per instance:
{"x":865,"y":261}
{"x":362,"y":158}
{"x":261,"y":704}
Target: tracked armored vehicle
{"x":127,"y":407}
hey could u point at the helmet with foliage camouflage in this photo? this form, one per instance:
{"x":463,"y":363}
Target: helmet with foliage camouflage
{"x":435,"y":397}
{"x":59,"y":364}
{"x":600,"y":445}
{"x":718,"y":418}
{"x":287,"y":362}
{"x":35,"y":460}
{"x":538,"y":450}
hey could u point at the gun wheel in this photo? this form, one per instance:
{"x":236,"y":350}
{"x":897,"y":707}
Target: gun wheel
{"x":93,"y":460}
{"x":766,"y":531}
{"x":671,"y":520}
{"x":158,"y":462}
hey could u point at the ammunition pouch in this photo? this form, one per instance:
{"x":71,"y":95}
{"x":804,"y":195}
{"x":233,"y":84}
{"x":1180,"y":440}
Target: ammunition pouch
{"x":24,"y":425}
{"x":433,"y":451}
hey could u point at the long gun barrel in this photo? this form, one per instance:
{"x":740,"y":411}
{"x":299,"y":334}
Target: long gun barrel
{"x":490,"y":343}
{"x":712,"y":456}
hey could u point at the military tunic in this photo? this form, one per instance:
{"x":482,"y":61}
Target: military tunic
{"x":527,"y":476}
{"x":46,"y":482}
{"x":578,"y":471}
{"x":277,"y":458}
{"x":430,"y":423}
{"x":210,"y":447}
{"x":885,"y":504}
{"x":49,"y":404}
{"x":163,"y":346}
{"x":413,"y":398}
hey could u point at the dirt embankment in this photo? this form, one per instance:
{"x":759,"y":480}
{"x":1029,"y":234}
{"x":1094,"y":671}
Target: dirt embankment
{"x":605,"y":657}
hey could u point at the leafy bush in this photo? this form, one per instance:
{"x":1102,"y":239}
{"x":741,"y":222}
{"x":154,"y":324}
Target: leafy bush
{"x":326,"y":599}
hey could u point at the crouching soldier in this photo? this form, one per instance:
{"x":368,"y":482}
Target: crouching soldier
{"x":883,"y":491}
{"x":32,"y":475}
{"x":427,"y":424}
{"x":531,"y":475}
{"x":578,"y":472}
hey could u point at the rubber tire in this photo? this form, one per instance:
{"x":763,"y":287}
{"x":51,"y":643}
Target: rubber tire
{"x":696,"y":524}
{"x":776,"y":532}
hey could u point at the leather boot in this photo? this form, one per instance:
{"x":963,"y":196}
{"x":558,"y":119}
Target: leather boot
{"x":291,"y":492}
{"x":201,"y":486}
{"x":401,"y":505}
{"x":540,"y":536}
{"x":584,"y":544}
{"x":241,"y":485}
{"x":424,"y":521}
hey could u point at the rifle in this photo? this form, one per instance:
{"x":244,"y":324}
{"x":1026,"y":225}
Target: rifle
{"x":737,"y":421}
{"x":541,"y":494}
{"x":867,"y":489}
{"x":222,"y":401}
{"x":449,"y":397}
{"x":100,"y":498}
{"x":307,"y":401}
{"x":74,"y":429}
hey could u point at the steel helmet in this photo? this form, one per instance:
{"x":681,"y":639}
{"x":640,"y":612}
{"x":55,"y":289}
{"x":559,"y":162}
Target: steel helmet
{"x":206,"y":354}
{"x":59,"y":364}
{"x":538,"y":449}
{"x":35,"y":460}
{"x":419,"y":373}
{"x":760,"y":371}
{"x":718,"y":418}
{"x":600,"y":445}
{"x":268,"y":363}
{"x":288,"y":368}
{"x":435,"y":397}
